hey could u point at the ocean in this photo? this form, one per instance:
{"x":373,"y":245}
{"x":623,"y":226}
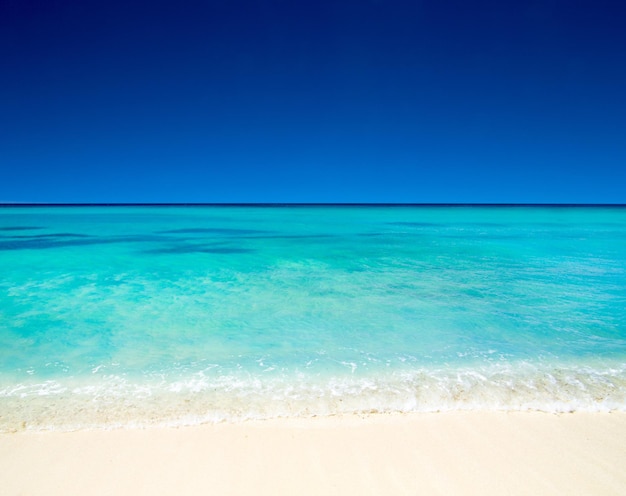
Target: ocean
{"x":115,"y":316}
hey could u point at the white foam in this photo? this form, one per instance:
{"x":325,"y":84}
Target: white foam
{"x":211,"y":397}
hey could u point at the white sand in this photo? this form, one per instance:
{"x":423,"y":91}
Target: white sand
{"x":442,"y":453}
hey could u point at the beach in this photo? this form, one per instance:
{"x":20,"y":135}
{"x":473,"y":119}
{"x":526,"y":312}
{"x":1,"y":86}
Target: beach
{"x":432,"y":453}
{"x":312,"y":350}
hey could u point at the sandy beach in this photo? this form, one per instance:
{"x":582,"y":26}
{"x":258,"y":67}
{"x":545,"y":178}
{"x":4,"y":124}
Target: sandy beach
{"x":439,"y":453}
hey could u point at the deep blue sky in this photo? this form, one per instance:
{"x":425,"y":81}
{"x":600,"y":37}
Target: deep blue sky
{"x":320,"y":101}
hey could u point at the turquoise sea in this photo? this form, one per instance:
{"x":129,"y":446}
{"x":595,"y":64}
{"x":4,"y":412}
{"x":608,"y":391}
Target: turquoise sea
{"x":115,"y":316}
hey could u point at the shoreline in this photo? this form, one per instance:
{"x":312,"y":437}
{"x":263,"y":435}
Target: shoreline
{"x":457,"y":452}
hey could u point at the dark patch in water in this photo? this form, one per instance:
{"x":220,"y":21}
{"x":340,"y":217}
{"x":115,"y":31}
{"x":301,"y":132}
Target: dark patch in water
{"x":414,"y":224}
{"x":19,"y":228}
{"x":54,"y":235}
{"x":228,"y":250}
{"x":390,"y":235}
{"x":243,"y":233}
{"x":42,"y":243}
{"x":198,"y":249}
{"x":293,"y":236}
{"x":213,"y":230}
{"x":483,"y":236}
{"x":435,"y":224}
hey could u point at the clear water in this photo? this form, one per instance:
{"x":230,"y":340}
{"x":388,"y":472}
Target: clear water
{"x":174,"y":315}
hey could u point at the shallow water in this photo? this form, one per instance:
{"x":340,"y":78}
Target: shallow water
{"x":138,"y":315}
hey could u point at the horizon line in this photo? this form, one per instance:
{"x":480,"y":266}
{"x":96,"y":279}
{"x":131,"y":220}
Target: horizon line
{"x":303,"y":204}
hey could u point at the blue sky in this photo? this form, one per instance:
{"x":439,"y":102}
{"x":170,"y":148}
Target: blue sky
{"x":325,"y":101}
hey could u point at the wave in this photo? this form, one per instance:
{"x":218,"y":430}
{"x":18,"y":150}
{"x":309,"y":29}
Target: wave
{"x":207,"y":396}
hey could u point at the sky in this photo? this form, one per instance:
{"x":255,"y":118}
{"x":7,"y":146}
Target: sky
{"x":313,"y":101}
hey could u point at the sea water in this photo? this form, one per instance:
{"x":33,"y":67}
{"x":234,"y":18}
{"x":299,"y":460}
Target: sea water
{"x":118,"y":316}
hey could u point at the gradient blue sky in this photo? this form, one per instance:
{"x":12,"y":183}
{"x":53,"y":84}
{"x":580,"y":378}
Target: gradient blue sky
{"x":321,"y":101}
